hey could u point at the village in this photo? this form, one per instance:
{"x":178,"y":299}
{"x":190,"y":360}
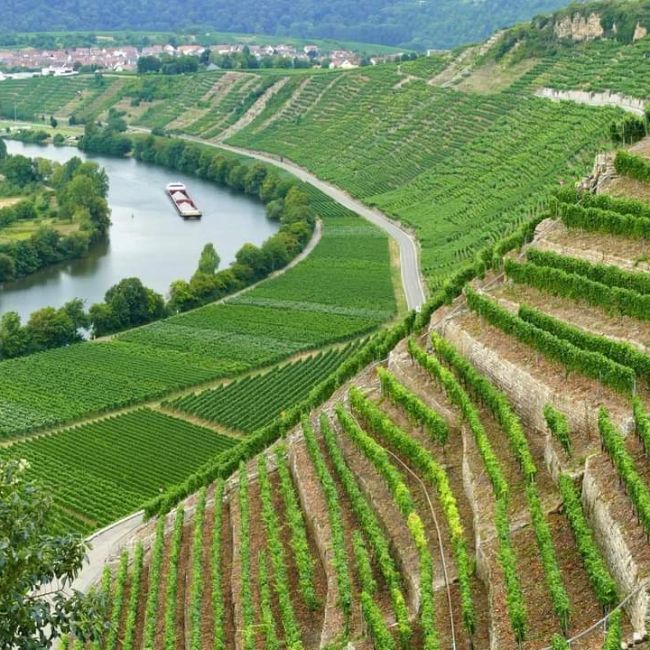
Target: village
{"x":29,"y":62}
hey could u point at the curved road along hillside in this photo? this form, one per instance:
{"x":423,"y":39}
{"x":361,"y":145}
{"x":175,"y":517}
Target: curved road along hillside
{"x":408,"y":247}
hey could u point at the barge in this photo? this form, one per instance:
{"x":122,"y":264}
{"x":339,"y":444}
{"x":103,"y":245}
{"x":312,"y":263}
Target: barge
{"x":182,"y":201}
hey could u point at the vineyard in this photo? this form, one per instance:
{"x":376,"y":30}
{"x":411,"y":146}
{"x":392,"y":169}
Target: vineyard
{"x":127,"y":459}
{"x":482,"y":487}
{"x":343,"y":290}
{"x":255,"y":401}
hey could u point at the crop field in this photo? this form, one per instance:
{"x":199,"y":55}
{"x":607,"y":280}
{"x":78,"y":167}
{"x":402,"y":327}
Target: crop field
{"x":599,"y":66}
{"x":255,"y":401}
{"x":438,"y":160}
{"x":339,"y":293}
{"x":126,"y":460}
{"x":43,"y":95}
{"x":347,"y":529}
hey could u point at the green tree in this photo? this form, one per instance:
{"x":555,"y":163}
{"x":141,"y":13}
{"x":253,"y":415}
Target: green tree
{"x":209,"y":260}
{"x":14,"y":340}
{"x":19,"y":170}
{"x":34,"y":560}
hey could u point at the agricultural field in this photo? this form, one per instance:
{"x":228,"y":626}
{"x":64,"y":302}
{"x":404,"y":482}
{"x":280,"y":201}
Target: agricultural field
{"x":437,"y":160}
{"x":127,"y":459}
{"x":467,"y":491}
{"x":45,"y":96}
{"x":311,"y":307}
{"x":255,"y":401}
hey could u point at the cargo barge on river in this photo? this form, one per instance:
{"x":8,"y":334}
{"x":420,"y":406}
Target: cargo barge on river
{"x":182,"y":201}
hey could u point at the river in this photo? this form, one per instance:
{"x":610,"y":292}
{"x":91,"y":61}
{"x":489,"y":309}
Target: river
{"x":147,"y":238}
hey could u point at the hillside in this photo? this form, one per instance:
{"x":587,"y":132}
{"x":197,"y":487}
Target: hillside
{"x":407,"y":24}
{"x":509,"y":435}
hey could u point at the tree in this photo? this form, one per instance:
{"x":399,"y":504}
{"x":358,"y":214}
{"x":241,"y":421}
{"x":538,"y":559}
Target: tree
{"x":34,"y":561}
{"x":19,"y":170}
{"x":13,"y":337}
{"x":7,"y":268}
{"x":209,"y":260}
{"x":53,"y":122}
{"x":3,"y":149}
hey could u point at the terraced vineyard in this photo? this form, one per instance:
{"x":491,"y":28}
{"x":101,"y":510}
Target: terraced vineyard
{"x":481,"y":488}
{"x":127,"y":459}
{"x":436,"y":159}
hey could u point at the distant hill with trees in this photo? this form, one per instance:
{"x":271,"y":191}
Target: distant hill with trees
{"x":406,"y":23}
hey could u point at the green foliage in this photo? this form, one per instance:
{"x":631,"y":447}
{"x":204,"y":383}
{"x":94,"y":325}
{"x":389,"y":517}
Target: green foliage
{"x":278,"y":560}
{"x":625,"y":206}
{"x":196,"y":589}
{"x":126,"y":460}
{"x":599,"y":576}
{"x":384,"y":428}
{"x":266,"y":614}
{"x":339,"y":559}
{"x":618,"y":351}
{"x":171,"y":586}
{"x":155,"y":567}
{"x":255,"y":401}
{"x":636,"y":488}
{"x":494,"y":399}
{"x":416,"y":410}
{"x":559,"y":643}
{"x":642,"y":423}
{"x":628,"y":164}
{"x":135,"y":591}
{"x":614,"y":635}
{"x":299,"y":544}
{"x":577,"y":287}
{"x":459,"y":398}
{"x":246,"y":578}
{"x":574,"y":358}
{"x":218,"y":604}
{"x":604,"y":219}
{"x":36,"y":561}
{"x":555,"y":583}
{"x":612,"y":276}
{"x":371,"y":527}
{"x":558,"y":426}
{"x":117,"y":601}
{"x":443,"y":25}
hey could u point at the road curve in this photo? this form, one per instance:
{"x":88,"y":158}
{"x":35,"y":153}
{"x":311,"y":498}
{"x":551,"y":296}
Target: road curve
{"x":412,"y":282}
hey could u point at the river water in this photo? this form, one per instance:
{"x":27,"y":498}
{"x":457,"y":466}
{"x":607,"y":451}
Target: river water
{"x":147,"y":238}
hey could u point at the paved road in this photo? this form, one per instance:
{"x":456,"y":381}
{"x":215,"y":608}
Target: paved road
{"x":414,"y":287}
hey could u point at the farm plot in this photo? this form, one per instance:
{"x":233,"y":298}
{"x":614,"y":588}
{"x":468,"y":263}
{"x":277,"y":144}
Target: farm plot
{"x":126,"y":460}
{"x":439,"y":160}
{"x":251,"y":403}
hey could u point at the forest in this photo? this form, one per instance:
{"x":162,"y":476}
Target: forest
{"x":403,"y":23}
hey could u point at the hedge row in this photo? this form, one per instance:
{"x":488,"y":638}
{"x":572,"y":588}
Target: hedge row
{"x":642,"y":424}
{"x":218,"y":604}
{"x":339,"y":559}
{"x":592,"y":364}
{"x":151,"y":607}
{"x":459,"y":398}
{"x":607,"y":274}
{"x":579,"y":288}
{"x":196,"y":589}
{"x":117,"y":601}
{"x":418,"y":413}
{"x":558,"y":426}
{"x":134,"y":597}
{"x":372,"y":614}
{"x":599,"y":576}
{"x":604,"y":202}
{"x":384,"y":428}
{"x":266,"y":606}
{"x":628,"y":164}
{"x":636,"y":488}
{"x":299,"y":544}
{"x":171,"y":586}
{"x":618,"y":351}
{"x":595,"y":219}
{"x":494,"y":399}
{"x":281,"y":585}
{"x":246,"y":577}
{"x":371,"y":527}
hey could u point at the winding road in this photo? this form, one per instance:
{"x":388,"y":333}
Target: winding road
{"x":412,"y":281}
